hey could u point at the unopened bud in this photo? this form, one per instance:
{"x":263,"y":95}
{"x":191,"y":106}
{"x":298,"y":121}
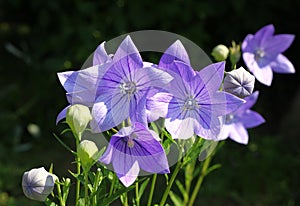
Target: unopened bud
{"x":78,"y":116}
{"x":220,"y":52}
{"x":239,"y":82}
{"x":235,"y":53}
{"x":37,"y":184}
{"x":87,"y":152}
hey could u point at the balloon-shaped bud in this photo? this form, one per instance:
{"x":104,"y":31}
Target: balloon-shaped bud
{"x":239,"y":82}
{"x":37,"y":184}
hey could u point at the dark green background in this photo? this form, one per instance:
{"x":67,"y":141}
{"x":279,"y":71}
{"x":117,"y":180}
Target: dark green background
{"x":40,"y":38}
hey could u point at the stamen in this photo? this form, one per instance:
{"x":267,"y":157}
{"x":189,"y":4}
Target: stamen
{"x":130,"y":143}
{"x":128,"y":88}
{"x":259,"y":53}
{"x":229,"y":118}
{"x":190,"y":104}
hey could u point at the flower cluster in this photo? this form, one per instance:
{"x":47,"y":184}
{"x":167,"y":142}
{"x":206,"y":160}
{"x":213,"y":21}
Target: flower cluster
{"x":124,"y":88}
{"x":124,"y":97}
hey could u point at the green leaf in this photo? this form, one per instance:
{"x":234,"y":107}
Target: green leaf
{"x":73,"y":174}
{"x":77,"y":176}
{"x":116,"y":195}
{"x":154,"y":127}
{"x":49,"y":202}
{"x":91,"y":176}
{"x":63,"y":144}
{"x":175,"y":199}
{"x":143,"y":187}
{"x":180,"y":187}
{"x":167,"y":179}
{"x":51,"y":168}
{"x":65,"y":131}
{"x":81,"y":202}
{"x":207,"y":149}
{"x":66,"y":188}
{"x":212,"y":168}
{"x":167,"y":143}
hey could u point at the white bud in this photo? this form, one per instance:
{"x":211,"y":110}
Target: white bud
{"x":78,"y":116}
{"x":87,"y":152}
{"x":239,"y":82}
{"x":220,"y":52}
{"x":37,"y":184}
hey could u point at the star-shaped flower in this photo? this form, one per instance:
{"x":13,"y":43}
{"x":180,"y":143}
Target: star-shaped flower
{"x":134,"y":148}
{"x":262,"y":54}
{"x":239,"y":121}
{"x":81,"y":86}
{"x":192,"y":103}
{"x":124,"y":87}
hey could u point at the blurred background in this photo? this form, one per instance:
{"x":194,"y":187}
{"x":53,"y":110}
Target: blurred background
{"x":40,"y":38}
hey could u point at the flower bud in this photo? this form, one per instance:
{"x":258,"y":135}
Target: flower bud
{"x":37,"y":184}
{"x":239,"y":82}
{"x":235,"y":53}
{"x":220,"y":52}
{"x":78,"y":116}
{"x":87,"y":152}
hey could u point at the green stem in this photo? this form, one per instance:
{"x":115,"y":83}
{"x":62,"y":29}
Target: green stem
{"x":125,"y":199}
{"x":137,"y":199}
{"x":78,"y":172}
{"x":86,"y":192}
{"x":233,"y":67}
{"x":152,"y":190}
{"x":112,"y":185}
{"x":167,"y":191}
{"x":96,"y":184}
{"x":200,"y":180}
{"x":189,"y":170}
{"x":61,"y":202}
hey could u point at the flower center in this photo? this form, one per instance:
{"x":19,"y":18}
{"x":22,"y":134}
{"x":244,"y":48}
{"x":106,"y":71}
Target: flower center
{"x":190,"y":104}
{"x":128,"y":88}
{"x":229,"y":119}
{"x":130,"y":142}
{"x":259,"y":53}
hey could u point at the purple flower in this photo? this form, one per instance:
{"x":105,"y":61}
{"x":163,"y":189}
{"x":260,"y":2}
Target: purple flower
{"x":134,"y":148}
{"x":236,"y":123}
{"x":100,"y":55}
{"x":81,"y":86}
{"x":192,"y":102}
{"x":262,"y":54}
{"x":155,"y":110}
{"x":123,"y":88}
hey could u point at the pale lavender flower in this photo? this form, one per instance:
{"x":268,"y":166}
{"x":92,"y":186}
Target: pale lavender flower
{"x":100,"y":55}
{"x":176,"y":52}
{"x":81,"y":86}
{"x":134,"y":148}
{"x":123,"y":88}
{"x":193,"y":103}
{"x":239,"y":121}
{"x":262,"y":54}
{"x":239,"y":82}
